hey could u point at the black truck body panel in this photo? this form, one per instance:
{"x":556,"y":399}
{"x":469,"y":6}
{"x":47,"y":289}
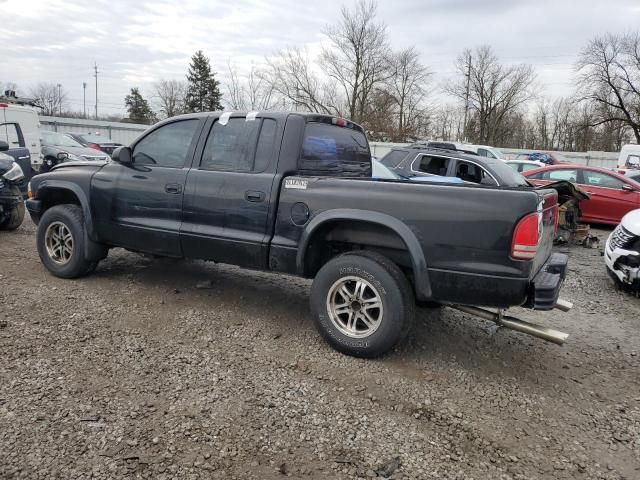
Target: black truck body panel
{"x":453,"y":240}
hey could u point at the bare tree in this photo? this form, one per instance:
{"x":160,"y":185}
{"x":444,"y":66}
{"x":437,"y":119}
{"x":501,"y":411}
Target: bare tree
{"x":358,"y":56}
{"x":171,"y":96}
{"x":609,"y":77}
{"x":50,"y":97}
{"x":290,"y":75}
{"x":253,"y":92}
{"x":408,"y":87}
{"x":493,"y":90}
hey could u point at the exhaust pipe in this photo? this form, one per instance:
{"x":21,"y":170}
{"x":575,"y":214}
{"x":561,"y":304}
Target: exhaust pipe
{"x":512,"y":323}
{"x":563,"y":305}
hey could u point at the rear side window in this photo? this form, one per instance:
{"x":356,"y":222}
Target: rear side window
{"x":393,"y":158}
{"x":332,"y":149}
{"x":240,"y":145}
{"x":470,"y":172}
{"x":570,"y":175}
{"x":230,"y":147}
{"x":9,"y":133}
{"x":432,"y":165}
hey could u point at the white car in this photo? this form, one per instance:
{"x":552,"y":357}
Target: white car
{"x":524,"y":165}
{"x":629,"y":157}
{"x":489,"y":152}
{"x":622,"y":252}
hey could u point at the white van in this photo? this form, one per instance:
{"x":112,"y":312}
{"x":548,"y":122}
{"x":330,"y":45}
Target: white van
{"x":20,"y":127}
{"x":629,"y":157}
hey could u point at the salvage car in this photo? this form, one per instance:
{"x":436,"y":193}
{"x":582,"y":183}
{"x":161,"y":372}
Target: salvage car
{"x":611,"y":195}
{"x":58,"y":147}
{"x":622,"y":252}
{"x":11,"y":201}
{"x":545,"y":157}
{"x":420,"y":161}
{"x":521,"y":166}
{"x":95,"y":141}
{"x":292,"y":193}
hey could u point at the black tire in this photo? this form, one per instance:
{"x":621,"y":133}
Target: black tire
{"x":71,"y":217}
{"x":14,"y":218}
{"x":385,"y":280}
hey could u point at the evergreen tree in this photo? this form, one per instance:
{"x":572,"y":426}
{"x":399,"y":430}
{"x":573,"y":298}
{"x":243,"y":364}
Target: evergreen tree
{"x":203,"y":93}
{"x":138,"y":107}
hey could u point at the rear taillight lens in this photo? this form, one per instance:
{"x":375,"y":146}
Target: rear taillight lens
{"x":95,"y":146}
{"x":526,"y":237}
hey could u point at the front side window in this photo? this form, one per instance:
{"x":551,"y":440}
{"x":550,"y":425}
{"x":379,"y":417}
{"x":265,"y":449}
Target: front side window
{"x":330,"y":148}
{"x":9,"y":133}
{"x":166,"y":146}
{"x":633,"y":161}
{"x":432,"y":165}
{"x":598,"y":179}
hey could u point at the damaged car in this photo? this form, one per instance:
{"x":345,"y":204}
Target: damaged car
{"x":622,"y":252}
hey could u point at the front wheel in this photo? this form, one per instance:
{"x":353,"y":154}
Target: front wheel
{"x":362,"y":304}
{"x":61,"y":242}
{"x":13,"y":218}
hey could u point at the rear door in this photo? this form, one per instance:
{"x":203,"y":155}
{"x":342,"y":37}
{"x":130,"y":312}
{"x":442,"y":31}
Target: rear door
{"x":608,"y":202}
{"x":228,"y":192}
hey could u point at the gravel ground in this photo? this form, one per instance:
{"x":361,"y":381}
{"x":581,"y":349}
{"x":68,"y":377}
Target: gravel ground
{"x":165,"y":369}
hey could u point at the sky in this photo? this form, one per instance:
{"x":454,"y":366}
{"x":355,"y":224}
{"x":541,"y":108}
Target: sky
{"x":136,"y":43}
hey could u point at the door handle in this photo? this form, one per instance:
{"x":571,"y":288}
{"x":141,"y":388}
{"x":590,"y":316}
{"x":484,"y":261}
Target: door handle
{"x":173,"y":188}
{"x":254,"y":196}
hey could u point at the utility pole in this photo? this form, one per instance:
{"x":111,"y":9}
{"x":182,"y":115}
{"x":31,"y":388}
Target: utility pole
{"x":59,"y":99}
{"x":84,"y":98}
{"x":95,"y":69}
{"x":466,"y":99}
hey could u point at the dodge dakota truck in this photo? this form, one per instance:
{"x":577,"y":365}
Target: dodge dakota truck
{"x":293,"y":193}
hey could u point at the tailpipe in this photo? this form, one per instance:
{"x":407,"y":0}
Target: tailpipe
{"x":512,"y":323}
{"x":563,"y":305}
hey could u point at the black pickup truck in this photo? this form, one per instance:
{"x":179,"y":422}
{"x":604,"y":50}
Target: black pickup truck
{"x":292,"y":193}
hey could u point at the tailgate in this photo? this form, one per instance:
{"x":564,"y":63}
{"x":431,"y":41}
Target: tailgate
{"x":548,"y":211}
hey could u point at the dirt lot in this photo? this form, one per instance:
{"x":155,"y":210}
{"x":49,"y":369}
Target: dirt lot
{"x":165,"y":369}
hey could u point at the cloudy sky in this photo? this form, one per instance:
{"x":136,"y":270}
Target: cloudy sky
{"x":135,"y":42}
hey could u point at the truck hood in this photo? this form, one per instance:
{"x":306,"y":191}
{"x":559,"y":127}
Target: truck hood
{"x":631,"y":222}
{"x":85,"y":163}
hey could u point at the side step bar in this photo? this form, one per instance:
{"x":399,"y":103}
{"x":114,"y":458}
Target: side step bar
{"x":512,"y":323}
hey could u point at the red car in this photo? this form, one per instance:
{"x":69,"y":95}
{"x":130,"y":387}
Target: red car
{"x":612,"y":195}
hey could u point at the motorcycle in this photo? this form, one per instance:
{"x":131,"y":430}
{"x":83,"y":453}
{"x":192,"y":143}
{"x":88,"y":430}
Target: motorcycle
{"x":11,"y":201}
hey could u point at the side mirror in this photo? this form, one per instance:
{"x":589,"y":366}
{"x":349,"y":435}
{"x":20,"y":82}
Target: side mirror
{"x":628,"y":188}
{"x":4,"y":146}
{"x":122,"y":155}
{"x":62,"y":156}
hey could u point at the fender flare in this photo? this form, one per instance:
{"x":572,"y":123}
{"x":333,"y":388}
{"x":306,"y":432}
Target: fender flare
{"x":419,"y":263}
{"x":75,"y":189}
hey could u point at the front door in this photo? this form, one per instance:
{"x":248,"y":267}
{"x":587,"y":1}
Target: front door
{"x":608,"y":202}
{"x":139,"y":206}
{"x":228,"y":194}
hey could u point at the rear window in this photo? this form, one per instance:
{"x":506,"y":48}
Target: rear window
{"x":393,"y":158}
{"x":332,"y":149}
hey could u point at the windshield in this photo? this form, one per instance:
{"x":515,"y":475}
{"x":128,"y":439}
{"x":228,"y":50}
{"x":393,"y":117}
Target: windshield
{"x":58,"y":139}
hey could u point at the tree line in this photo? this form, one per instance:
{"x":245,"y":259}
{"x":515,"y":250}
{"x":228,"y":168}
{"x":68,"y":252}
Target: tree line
{"x":392,"y":93}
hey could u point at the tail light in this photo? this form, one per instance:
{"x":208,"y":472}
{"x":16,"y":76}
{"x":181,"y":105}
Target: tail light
{"x":526,"y":237}
{"x":341,"y":122}
{"x":95,"y":146}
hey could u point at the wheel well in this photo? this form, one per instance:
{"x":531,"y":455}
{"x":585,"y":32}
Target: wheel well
{"x":339,"y":236}
{"x":57,"y":196}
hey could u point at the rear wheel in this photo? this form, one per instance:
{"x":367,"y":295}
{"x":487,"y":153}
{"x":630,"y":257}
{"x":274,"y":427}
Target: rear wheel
{"x":61,"y":242}
{"x":362,"y":304}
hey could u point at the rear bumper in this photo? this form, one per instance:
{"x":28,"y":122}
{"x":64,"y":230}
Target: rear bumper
{"x":545,"y":286}
{"x":35,"y":209}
